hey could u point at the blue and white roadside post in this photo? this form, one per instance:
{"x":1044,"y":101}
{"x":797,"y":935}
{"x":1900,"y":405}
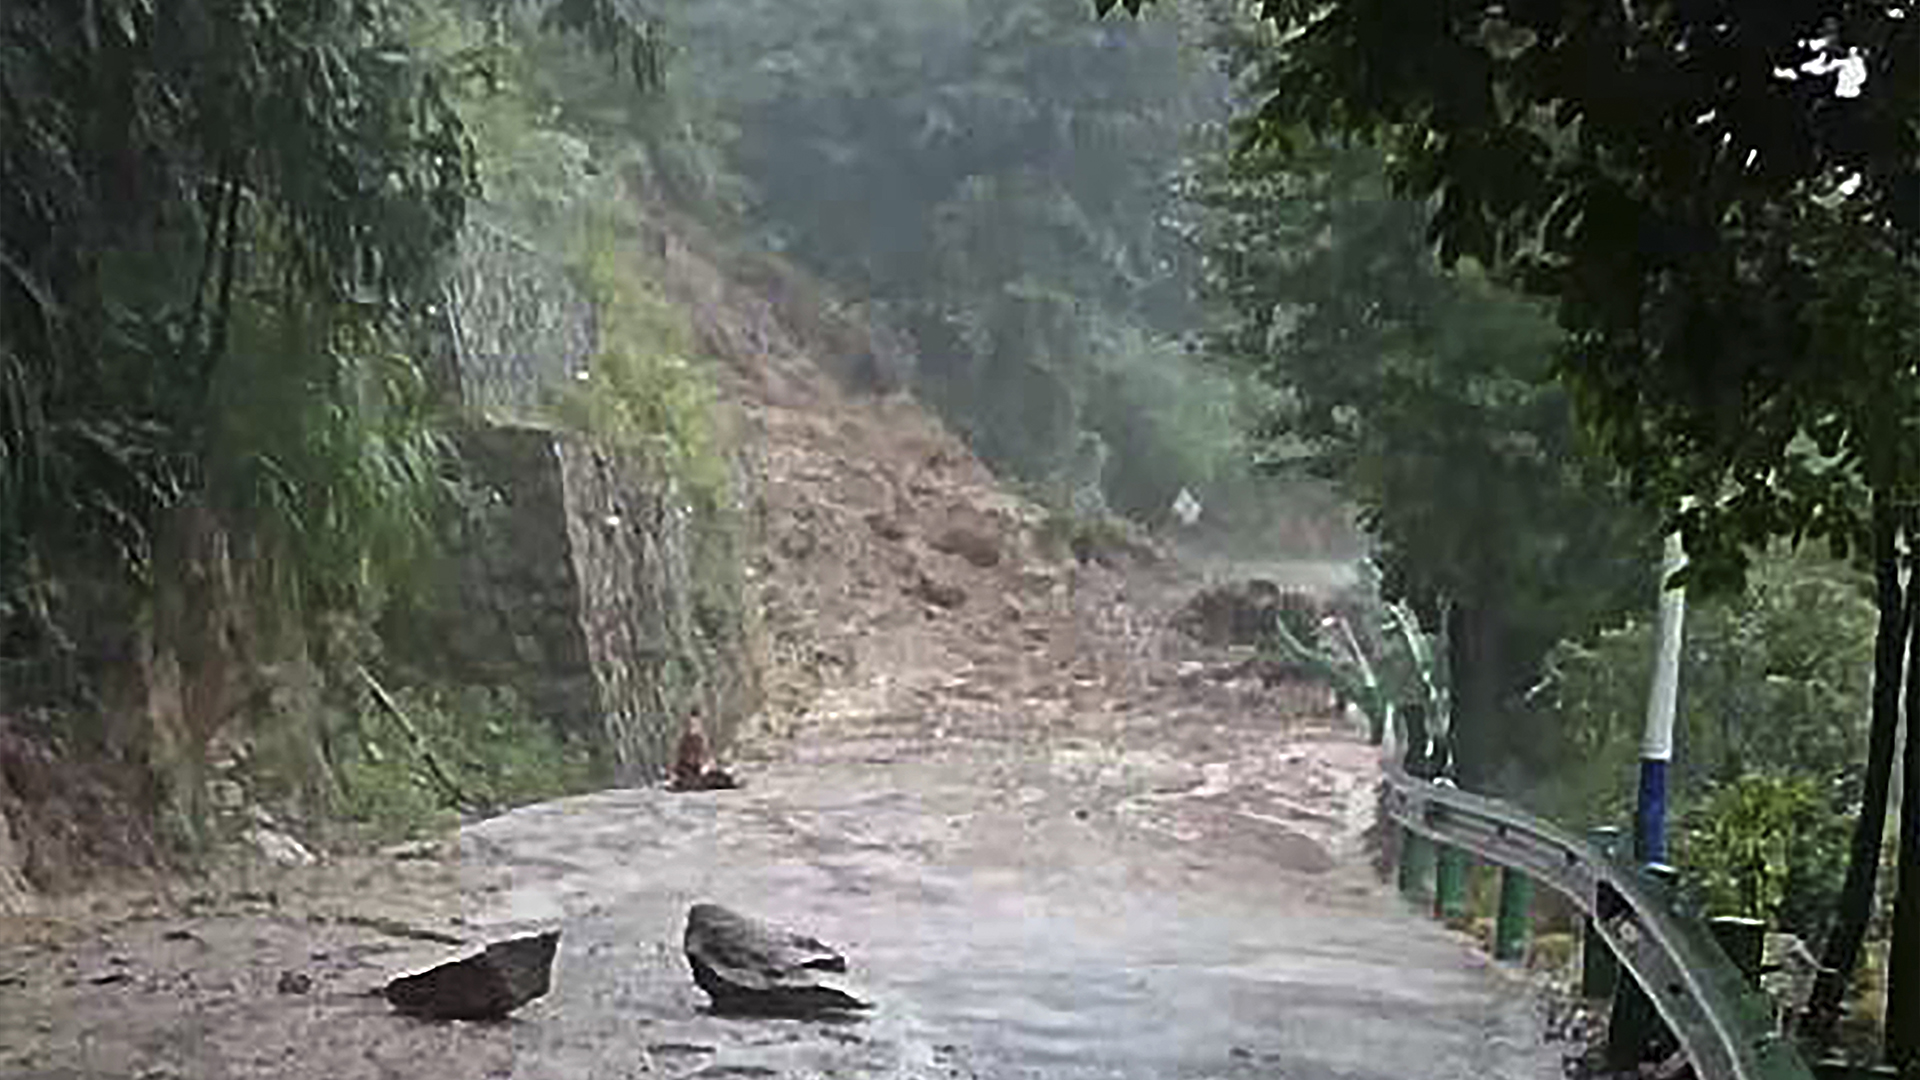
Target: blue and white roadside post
{"x":1634,"y":1022}
{"x":1656,"y":745}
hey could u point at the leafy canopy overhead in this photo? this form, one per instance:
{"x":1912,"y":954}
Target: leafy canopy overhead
{"x":1723,"y":199}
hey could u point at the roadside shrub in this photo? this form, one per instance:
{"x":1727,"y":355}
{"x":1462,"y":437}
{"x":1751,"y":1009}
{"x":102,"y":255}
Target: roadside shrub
{"x":497,"y":753}
{"x":1767,"y":847}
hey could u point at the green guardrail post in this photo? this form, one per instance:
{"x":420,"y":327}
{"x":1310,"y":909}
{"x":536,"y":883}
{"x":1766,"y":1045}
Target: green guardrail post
{"x":1514,"y":918}
{"x":1599,"y":968}
{"x":1449,"y":883}
{"x":1744,"y":941}
{"x":1416,"y":864}
{"x":1635,"y":1024}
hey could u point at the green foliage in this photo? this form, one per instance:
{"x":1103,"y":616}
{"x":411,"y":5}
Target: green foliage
{"x":495,"y":751}
{"x":322,"y":437}
{"x":1773,"y":712}
{"x":1771,"y":682}
{"x":1721,"y":206}
{"x":1170,"y":422}
{"x":173,"y":173}
{"x":1426,"y":397}
{"x":1769,"y":848}
{"x":644,"y":390}
{"x":632,"y":40}
{"x":170,"y":175}
{"x":558,"y":141}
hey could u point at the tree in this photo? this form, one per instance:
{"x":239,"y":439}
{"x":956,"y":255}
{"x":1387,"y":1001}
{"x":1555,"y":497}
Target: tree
{"x":169,"y":172}
{"x":1424,"y":396}
{"x":1724,"y":203}
{"x":179,"y":177}
{"x":222,"y":228}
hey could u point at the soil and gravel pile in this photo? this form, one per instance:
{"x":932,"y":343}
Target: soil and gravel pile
{"x":891,"y":556}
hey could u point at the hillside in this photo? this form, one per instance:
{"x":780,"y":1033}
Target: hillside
{"x":890,"y":553}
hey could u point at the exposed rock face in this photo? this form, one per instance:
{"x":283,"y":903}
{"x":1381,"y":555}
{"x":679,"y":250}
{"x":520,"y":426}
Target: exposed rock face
{"x":886,"y":526}
{"x":587,"y":582}
{"x":577,"y":587}
{"x":749,"y":967}
{"x":485,"y":987}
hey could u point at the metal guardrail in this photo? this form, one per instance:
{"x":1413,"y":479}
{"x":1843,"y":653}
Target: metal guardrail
{"x":1725,"y":1026}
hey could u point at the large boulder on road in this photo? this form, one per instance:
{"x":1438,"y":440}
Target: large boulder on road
{"x":748,"y":967}
{"x":485,"y":987}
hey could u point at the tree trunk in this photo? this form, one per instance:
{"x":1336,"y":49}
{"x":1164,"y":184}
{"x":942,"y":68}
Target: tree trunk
{"x":1903,"y":968}
{"x":1842,"y":952}
{"x":1473,"y":672}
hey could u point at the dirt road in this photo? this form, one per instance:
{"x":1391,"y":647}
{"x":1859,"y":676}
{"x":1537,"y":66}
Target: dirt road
{"x":1143,"y":896}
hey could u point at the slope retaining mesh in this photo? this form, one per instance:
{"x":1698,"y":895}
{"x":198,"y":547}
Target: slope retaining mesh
{"x":575,"y":583}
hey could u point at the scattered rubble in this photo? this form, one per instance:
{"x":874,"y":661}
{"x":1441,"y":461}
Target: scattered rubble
{"x":941,"y":594}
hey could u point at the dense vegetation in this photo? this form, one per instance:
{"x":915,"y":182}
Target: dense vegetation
{"x":226,"y":432}
{"x":1427,"y":398}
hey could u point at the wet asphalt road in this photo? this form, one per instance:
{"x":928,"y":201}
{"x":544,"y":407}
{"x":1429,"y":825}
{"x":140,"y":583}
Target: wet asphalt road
{"x":1070,"y":912}
{"x":1128,"y":902}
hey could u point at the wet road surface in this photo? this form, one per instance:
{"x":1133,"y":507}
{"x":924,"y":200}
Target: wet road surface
{"x":1123,"y":904}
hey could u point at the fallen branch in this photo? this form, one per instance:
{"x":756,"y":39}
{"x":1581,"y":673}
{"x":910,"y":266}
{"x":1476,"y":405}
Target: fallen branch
{"x":454,"y":793}
{"x":396,"y":928}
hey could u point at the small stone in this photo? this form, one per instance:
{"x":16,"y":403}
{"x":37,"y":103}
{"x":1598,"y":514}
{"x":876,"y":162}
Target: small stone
{"x":941,"y":594}
{"x":295,"y":982}
{"x":885,"y":526}
{"x":974,"y":546}
{"x":226,"y":795}
{"x":278,"y":847}
{"x":417,"y":850}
